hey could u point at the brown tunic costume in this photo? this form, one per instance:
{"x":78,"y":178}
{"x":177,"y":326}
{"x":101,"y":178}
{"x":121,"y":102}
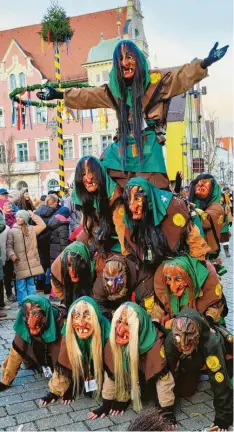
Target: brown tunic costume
{"x":212,"y":223}
{"x":155,"y":106}
{"x":211,"y":292}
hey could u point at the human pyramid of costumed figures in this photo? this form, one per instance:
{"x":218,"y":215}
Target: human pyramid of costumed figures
{"x":142,"y":303}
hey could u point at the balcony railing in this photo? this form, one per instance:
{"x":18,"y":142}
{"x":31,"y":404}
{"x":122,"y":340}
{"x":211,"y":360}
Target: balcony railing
{"x":29,"y":167}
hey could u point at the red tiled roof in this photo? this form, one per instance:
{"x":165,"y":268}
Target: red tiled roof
{"x":87,"y":30}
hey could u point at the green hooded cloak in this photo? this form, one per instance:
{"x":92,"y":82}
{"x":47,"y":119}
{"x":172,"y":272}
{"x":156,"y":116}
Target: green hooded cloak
{"x":85,"y":345}
{"x":113,"y":80}
{"x":110,"y":185}
{"x":198,"y":275}
{"x":82,"y":250}
{"x":50,"y":332}
{"x":158,"y":200}
{"x":215,"y":197}
{"x":147,"y":334}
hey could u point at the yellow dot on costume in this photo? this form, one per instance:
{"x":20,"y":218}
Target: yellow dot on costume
{"x":204,"y":215}
{"x":162,"y":352}
{"x":149,"y":303}
{"x":165,"y":377}
{"x":121,"y":211}
{"x":201,"y":293}
{"x":213,"y":363}
{"x":219,"y":377}
{"x":155,"y":77}
{"x":220,"y":220}
{"x":218,"y":290}
{"x":179,"y":220}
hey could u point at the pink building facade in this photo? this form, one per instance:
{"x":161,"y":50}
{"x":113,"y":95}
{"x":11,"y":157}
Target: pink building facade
{"x":35,"y":160}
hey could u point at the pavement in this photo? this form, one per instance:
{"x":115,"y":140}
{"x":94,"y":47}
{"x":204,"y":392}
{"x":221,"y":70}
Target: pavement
{"x":20,"y":409}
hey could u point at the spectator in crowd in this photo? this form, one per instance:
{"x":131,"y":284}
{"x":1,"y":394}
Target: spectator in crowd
{"x":43,"y":198}
{"x":75,"y":215}
{"x":22,"y":250}
{"x":24,"y":201}
{"x":8,"y":269}
{"x":6,"y":208}
{"x":59,"y":232}
{"x":46,"y":212}
{"x":2,"y":304}
{"x":4,"y":193}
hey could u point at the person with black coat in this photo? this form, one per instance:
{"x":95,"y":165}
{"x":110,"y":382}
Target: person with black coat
{"x":43,"y":240}
{"x":59,"y":232}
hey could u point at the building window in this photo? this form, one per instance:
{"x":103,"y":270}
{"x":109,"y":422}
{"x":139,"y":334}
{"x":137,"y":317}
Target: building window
{"x":105,"y":77}
{"x":43,"y":150}
{"x":22,"y":81}
{"x":53,"y":185}
{"x":22,"y":184}
{"x":2,"y":153}
{"x":22,"y":152}
{"x":40,"y":115}
{"x":105,"y":141}
{"x":86,"y":113}
{"x":86,"y":146}
{"x":1,"y":117}
{"x":12,"y":82}
{"x":68,"y":148}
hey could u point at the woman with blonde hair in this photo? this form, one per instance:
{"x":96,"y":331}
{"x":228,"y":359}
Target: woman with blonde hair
{"x":80,"y":361}
{"x":135,"y":349}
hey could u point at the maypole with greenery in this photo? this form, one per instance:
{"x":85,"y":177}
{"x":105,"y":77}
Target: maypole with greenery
{"x":56,"y":29}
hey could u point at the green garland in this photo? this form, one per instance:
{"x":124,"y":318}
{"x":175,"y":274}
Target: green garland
{"x":65,"y":85}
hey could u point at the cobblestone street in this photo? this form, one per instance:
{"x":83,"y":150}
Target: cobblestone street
{"x":19,"y":405}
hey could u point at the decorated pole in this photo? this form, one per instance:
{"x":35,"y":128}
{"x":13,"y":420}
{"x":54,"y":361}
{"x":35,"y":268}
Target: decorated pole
{"x":56,"y":30}
{"x":59,"y":123}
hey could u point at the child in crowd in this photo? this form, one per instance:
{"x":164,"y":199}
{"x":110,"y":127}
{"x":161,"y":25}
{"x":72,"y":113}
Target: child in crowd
{"x":22,"y":250}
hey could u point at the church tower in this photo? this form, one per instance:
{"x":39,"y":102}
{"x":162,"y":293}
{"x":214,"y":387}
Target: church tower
{"x":133,"y":28}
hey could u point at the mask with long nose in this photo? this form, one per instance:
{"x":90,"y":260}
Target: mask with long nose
{"x":35,"y":318}
{"x":89,"y":178}
{"x":128,"y":63}
{"x":82,"y":320}
{"x":122,"y":329}
{"x":203,"y":188}
{"x":185,"y":333}
{"x":176,"y":278}
{"x":115,"y":279}
{"x":136,"y":198}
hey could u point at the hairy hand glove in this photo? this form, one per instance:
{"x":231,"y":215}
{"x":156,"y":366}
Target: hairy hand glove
{"x":3,"y":386}
{"x":68,"y":395}
{"x":214,"y":55}
{"x":119,"y":406}
{"x":49,"y":94}
{"x":104,"y":408}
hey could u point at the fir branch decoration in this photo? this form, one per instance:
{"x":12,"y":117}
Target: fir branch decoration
{"x":56,"y":25}
{"x":64,"y":85}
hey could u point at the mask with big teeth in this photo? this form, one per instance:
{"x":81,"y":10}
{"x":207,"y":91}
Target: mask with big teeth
{"x":136,"y":197}
{"x":176,"y":278}
{"x":128,"y":63}
{"x":115,"y":279}
{"x":35,"y":318}
{"x":185,"y":335}
{"x":122,"y":330}
{"x":203,"y":188}
{"x":81,"y":321}
{"x":89,"y":178}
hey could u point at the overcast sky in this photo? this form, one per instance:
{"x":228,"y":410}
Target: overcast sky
{"x":176,"y":31}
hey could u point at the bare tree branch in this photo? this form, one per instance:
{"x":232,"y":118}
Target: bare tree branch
{"x":7,"y":164}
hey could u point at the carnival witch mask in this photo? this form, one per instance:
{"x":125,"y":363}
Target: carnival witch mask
{"x":176,"y":278}
{"x":71,"y":269}
{"x":185,"y":335}
{"x":122,"y":329}
{"x":128,"y":63}
{"x":35,"y":318}
{"x":136,"y":198}
{"x":82,"y":320}
{"x":115,"y":279}
{"x":89,"y":178}
{"x":203,"y":188}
